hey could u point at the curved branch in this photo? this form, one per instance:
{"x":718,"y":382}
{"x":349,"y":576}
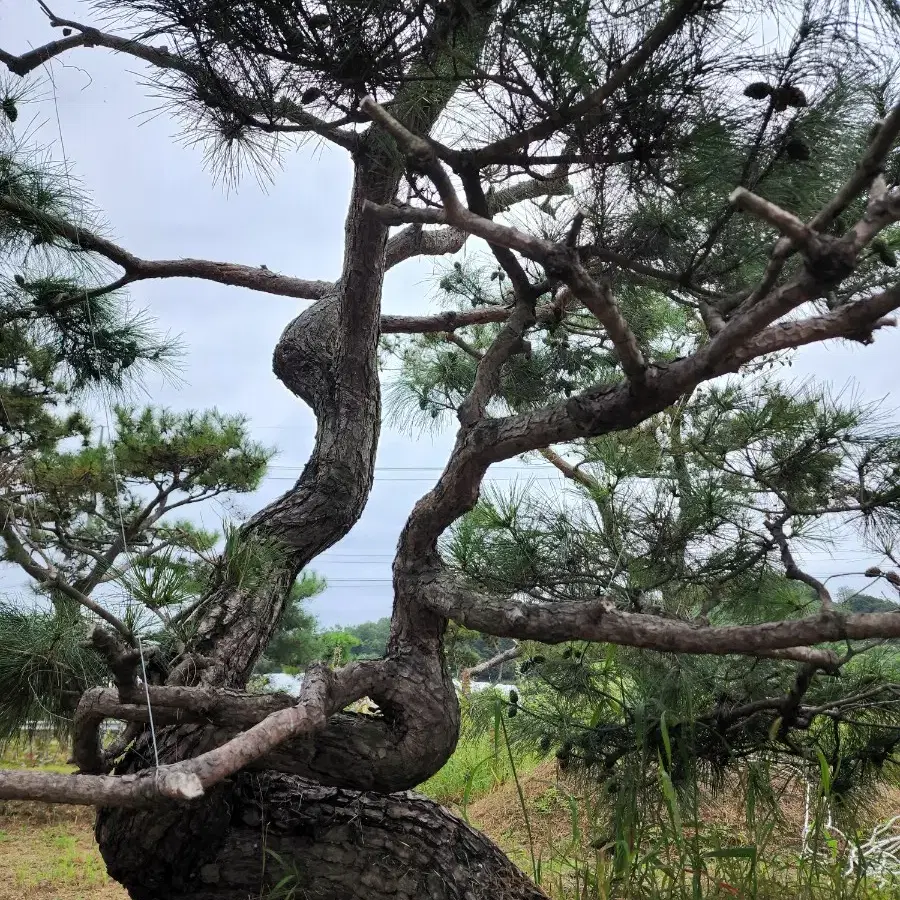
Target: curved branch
{"x":793,"y":571}
{"x":415,"y":241}
{"x":553,"y":623}
{"x":322,"y":694}
{"x":606,"y":408}
{"x":137,"y":269}
{"x":163,"y":58}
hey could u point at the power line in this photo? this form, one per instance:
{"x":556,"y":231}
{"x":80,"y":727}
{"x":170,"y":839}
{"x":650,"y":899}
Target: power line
{"x":519,"y":468}
{"x":549,"y":480}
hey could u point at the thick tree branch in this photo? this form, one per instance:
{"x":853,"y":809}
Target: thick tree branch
{"x":147,"y":788}
{"x":549,"y":313}
{"x":33,"y":59}
{"x":137,"y":269}
{"x":573,"y":473}
{"x":414,"y":241}
{"x":322,"y":694}
{"x":789,"y":225}
{"x":511,"y":338}
{"x":854,"y":321}
{"x":599,"y":300}
{"x":171,"y":705}
{"x":599,"y":621}
{"x":790,"y":704}
{"x":443,"y":322}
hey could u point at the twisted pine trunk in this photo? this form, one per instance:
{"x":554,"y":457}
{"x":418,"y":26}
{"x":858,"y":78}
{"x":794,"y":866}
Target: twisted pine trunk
{"x":342,"y":841}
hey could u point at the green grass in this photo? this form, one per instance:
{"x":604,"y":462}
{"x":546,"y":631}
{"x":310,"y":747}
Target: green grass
{"x":475,"y":769}
{"x":665,"y":849}
{"x":547,"y":826}
{"x":52,"y":862}
{"x":44,"y":755}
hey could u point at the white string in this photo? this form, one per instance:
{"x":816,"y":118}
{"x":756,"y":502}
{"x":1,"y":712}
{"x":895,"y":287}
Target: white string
{"x":149,"y":708}
{"x":102,"y":387}
{"x":106,"y":409}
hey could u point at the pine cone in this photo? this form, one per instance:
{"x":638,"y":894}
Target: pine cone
{"x":759,"y":90}
{"x":786,"y":96}
{"x":873,"y":572}
{"x":884,"y":253}
{"x":797,"y":150}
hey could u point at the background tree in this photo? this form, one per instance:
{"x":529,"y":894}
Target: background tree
{"x":686,"y":517}
{"x":730,"y":199}
{"x":296,"y":643}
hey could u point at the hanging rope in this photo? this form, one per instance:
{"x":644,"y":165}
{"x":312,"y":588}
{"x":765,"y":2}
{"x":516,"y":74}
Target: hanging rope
{"x":107,"y":412}
{"x":149,"y":707}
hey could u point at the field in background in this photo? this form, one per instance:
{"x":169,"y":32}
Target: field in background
{"x":546,"y":823}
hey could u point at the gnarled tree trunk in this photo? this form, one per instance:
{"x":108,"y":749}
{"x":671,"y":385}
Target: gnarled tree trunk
{"x":324,"y":842}
{"x":328,"y":357}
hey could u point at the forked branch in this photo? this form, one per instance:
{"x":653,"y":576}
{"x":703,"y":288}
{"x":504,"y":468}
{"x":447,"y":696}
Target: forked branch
{"x":560,"y":260}
{"x":323,"y":693}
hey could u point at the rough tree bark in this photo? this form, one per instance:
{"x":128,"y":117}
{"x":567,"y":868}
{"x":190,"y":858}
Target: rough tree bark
{"x":328,"y":358}
{"x":332,"y":813}
{"x":329,"y":842}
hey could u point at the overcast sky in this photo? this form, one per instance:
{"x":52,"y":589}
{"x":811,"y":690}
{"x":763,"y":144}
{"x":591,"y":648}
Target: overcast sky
{"x":160,"y":202}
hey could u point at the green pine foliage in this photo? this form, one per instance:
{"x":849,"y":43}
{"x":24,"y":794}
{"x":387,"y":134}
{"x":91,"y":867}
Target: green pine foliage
{"x":296,"y":643}
{"x":672,"y":522}
{"x":670,"y":518}
{"x":100,"y":506}
{"x":44,"y":668}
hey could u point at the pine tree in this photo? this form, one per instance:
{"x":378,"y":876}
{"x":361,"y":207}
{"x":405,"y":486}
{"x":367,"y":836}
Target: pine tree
{"x":706,"y":198}
{"x":91,"y":516}
{"x":296,"y":643}
{"x":687,"y":519}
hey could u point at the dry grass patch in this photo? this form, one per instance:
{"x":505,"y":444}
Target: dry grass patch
{"x":49,"y":853}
